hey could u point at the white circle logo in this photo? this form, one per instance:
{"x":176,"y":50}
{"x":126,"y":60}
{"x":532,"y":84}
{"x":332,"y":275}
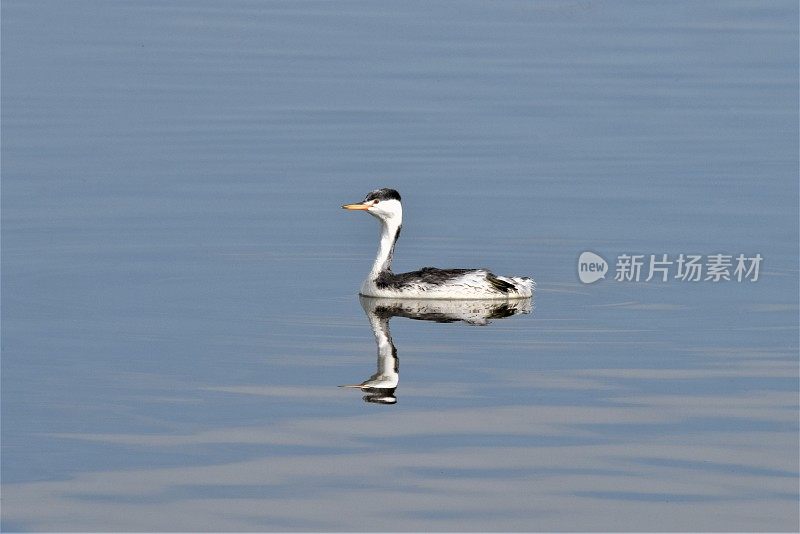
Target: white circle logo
{"x":591,"y":267}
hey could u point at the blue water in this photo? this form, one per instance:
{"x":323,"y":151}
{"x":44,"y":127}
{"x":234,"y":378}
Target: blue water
{"x":179,"y":284}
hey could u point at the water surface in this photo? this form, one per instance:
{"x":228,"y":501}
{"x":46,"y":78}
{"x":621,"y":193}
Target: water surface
{"x":179,"y":283}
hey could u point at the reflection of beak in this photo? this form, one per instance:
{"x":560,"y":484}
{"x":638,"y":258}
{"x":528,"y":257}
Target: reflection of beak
{"x":356,"y":206}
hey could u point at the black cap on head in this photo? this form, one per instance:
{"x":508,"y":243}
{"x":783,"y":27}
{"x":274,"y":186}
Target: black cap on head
{"x":383,"y":194}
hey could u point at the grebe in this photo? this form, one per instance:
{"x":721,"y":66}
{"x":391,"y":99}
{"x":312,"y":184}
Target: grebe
{"x":429,"y":282}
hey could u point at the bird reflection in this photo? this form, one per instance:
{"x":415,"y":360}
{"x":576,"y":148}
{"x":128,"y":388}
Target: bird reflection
{"x":380,"y":387}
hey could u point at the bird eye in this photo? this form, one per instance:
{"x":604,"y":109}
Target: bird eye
{"x":375,"y":201}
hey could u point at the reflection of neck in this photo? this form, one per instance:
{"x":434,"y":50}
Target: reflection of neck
{"x":390,"y":231}
{"x":388,"y":364}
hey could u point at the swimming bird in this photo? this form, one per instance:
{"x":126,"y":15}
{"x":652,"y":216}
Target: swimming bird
{"x":428,"y":282}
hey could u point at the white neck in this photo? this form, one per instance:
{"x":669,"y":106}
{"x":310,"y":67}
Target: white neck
{"x":389,"y":234}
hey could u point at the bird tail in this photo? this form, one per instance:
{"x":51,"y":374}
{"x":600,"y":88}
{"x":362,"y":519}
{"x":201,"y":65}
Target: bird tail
{"x":524,"y":285}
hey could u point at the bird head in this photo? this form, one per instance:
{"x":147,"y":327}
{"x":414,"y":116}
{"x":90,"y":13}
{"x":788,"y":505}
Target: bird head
{"x":381,"y":203}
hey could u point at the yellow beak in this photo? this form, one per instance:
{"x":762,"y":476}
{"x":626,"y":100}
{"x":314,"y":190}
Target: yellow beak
{"x":356,"y":206}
